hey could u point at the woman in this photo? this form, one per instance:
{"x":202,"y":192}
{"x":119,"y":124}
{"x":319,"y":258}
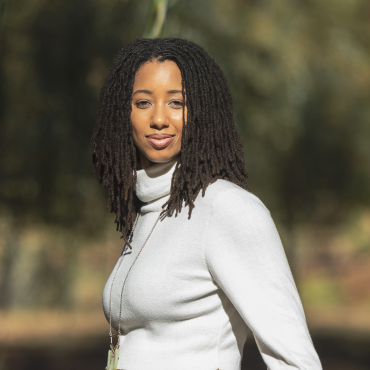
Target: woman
{"x":198,"y":269}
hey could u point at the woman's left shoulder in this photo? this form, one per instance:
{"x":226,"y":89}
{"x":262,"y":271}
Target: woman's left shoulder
{"x":226,"y":196}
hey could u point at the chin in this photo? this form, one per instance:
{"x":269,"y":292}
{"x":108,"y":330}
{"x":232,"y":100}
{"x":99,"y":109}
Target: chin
{"x":162,"y":158}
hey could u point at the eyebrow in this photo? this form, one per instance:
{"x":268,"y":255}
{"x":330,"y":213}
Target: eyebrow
{"x":142,"y":91}
{"x":151,"y":92}
{"x":174,"y":91}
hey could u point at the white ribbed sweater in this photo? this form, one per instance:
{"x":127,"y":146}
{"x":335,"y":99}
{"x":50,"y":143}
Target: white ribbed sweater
{"x":198,"y":284}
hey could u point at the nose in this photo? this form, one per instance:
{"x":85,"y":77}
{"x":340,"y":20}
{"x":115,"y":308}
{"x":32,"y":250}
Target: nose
{"x":159,"y":118}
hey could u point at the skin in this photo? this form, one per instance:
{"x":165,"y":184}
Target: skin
{"x":157,"y":107}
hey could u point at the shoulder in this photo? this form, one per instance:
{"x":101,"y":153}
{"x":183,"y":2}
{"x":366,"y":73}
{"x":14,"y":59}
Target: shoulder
{"x":241,"y":223}
{"x":225,"y":197}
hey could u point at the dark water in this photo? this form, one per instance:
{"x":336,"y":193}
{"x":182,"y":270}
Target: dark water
{"x":337,"y":350}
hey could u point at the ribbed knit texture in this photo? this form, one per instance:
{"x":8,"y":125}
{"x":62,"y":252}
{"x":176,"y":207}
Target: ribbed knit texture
{"x":199,"y":283}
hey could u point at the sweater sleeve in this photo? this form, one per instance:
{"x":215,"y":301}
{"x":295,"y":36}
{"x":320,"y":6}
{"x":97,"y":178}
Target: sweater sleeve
{"x":245,"y":256}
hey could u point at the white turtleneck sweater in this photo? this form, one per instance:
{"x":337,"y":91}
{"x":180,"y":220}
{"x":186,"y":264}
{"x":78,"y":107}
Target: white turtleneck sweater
{"x":198,"y":285}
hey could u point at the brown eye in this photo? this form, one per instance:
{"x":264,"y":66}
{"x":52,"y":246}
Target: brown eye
{"x":177,"y":103}
{"x":142,"y":104}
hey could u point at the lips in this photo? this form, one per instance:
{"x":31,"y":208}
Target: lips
{"x":160,"y":140}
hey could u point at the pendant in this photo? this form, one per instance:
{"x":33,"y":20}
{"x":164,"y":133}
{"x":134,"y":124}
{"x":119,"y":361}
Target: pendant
{"x":112,"y":359}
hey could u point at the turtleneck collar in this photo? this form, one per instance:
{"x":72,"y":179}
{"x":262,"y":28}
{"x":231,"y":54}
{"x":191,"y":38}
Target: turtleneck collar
{"x":153,"y":184}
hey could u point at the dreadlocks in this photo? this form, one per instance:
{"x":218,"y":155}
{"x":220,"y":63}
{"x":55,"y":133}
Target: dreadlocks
{"x":210,"y":147}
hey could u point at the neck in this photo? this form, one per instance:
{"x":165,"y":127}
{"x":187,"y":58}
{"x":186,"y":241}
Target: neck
{"x":144,"y":163}
{"x":154,"y":182}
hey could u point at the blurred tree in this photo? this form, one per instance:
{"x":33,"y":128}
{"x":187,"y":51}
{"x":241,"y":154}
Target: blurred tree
{"x":299,"y":74}
{"x":156,"y":19}
{"x":55,"y":56}
{"x":2,"y":13}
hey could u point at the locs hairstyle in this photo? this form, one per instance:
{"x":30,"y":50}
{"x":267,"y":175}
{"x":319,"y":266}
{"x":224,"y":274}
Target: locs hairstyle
{"x":210,"y":148}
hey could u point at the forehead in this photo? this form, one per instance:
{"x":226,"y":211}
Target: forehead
{"x":154,"y":73}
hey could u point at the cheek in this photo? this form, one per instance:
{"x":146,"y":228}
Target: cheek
{"x":136,"y":130}
{"x":133,"y":120}
{"x":177,"y":120}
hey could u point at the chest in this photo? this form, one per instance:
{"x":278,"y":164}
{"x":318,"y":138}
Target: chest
{"x":167,"y":279}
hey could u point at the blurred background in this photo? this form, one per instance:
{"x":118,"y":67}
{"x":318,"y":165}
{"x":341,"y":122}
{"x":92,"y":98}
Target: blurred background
{"x":299,"y":72}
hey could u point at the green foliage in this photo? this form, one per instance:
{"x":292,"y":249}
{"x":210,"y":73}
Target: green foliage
{"x":2,"y":13}
{"x":321,"y":293}
{"x":299,"y":74}
{"x":157,"y":18}
{"x":300,"y":77}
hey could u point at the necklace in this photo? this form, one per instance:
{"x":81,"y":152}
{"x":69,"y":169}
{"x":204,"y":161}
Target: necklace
{"x":113,"y":352}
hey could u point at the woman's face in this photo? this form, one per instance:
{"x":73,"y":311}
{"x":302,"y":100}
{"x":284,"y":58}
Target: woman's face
{"x":157,"y":112}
